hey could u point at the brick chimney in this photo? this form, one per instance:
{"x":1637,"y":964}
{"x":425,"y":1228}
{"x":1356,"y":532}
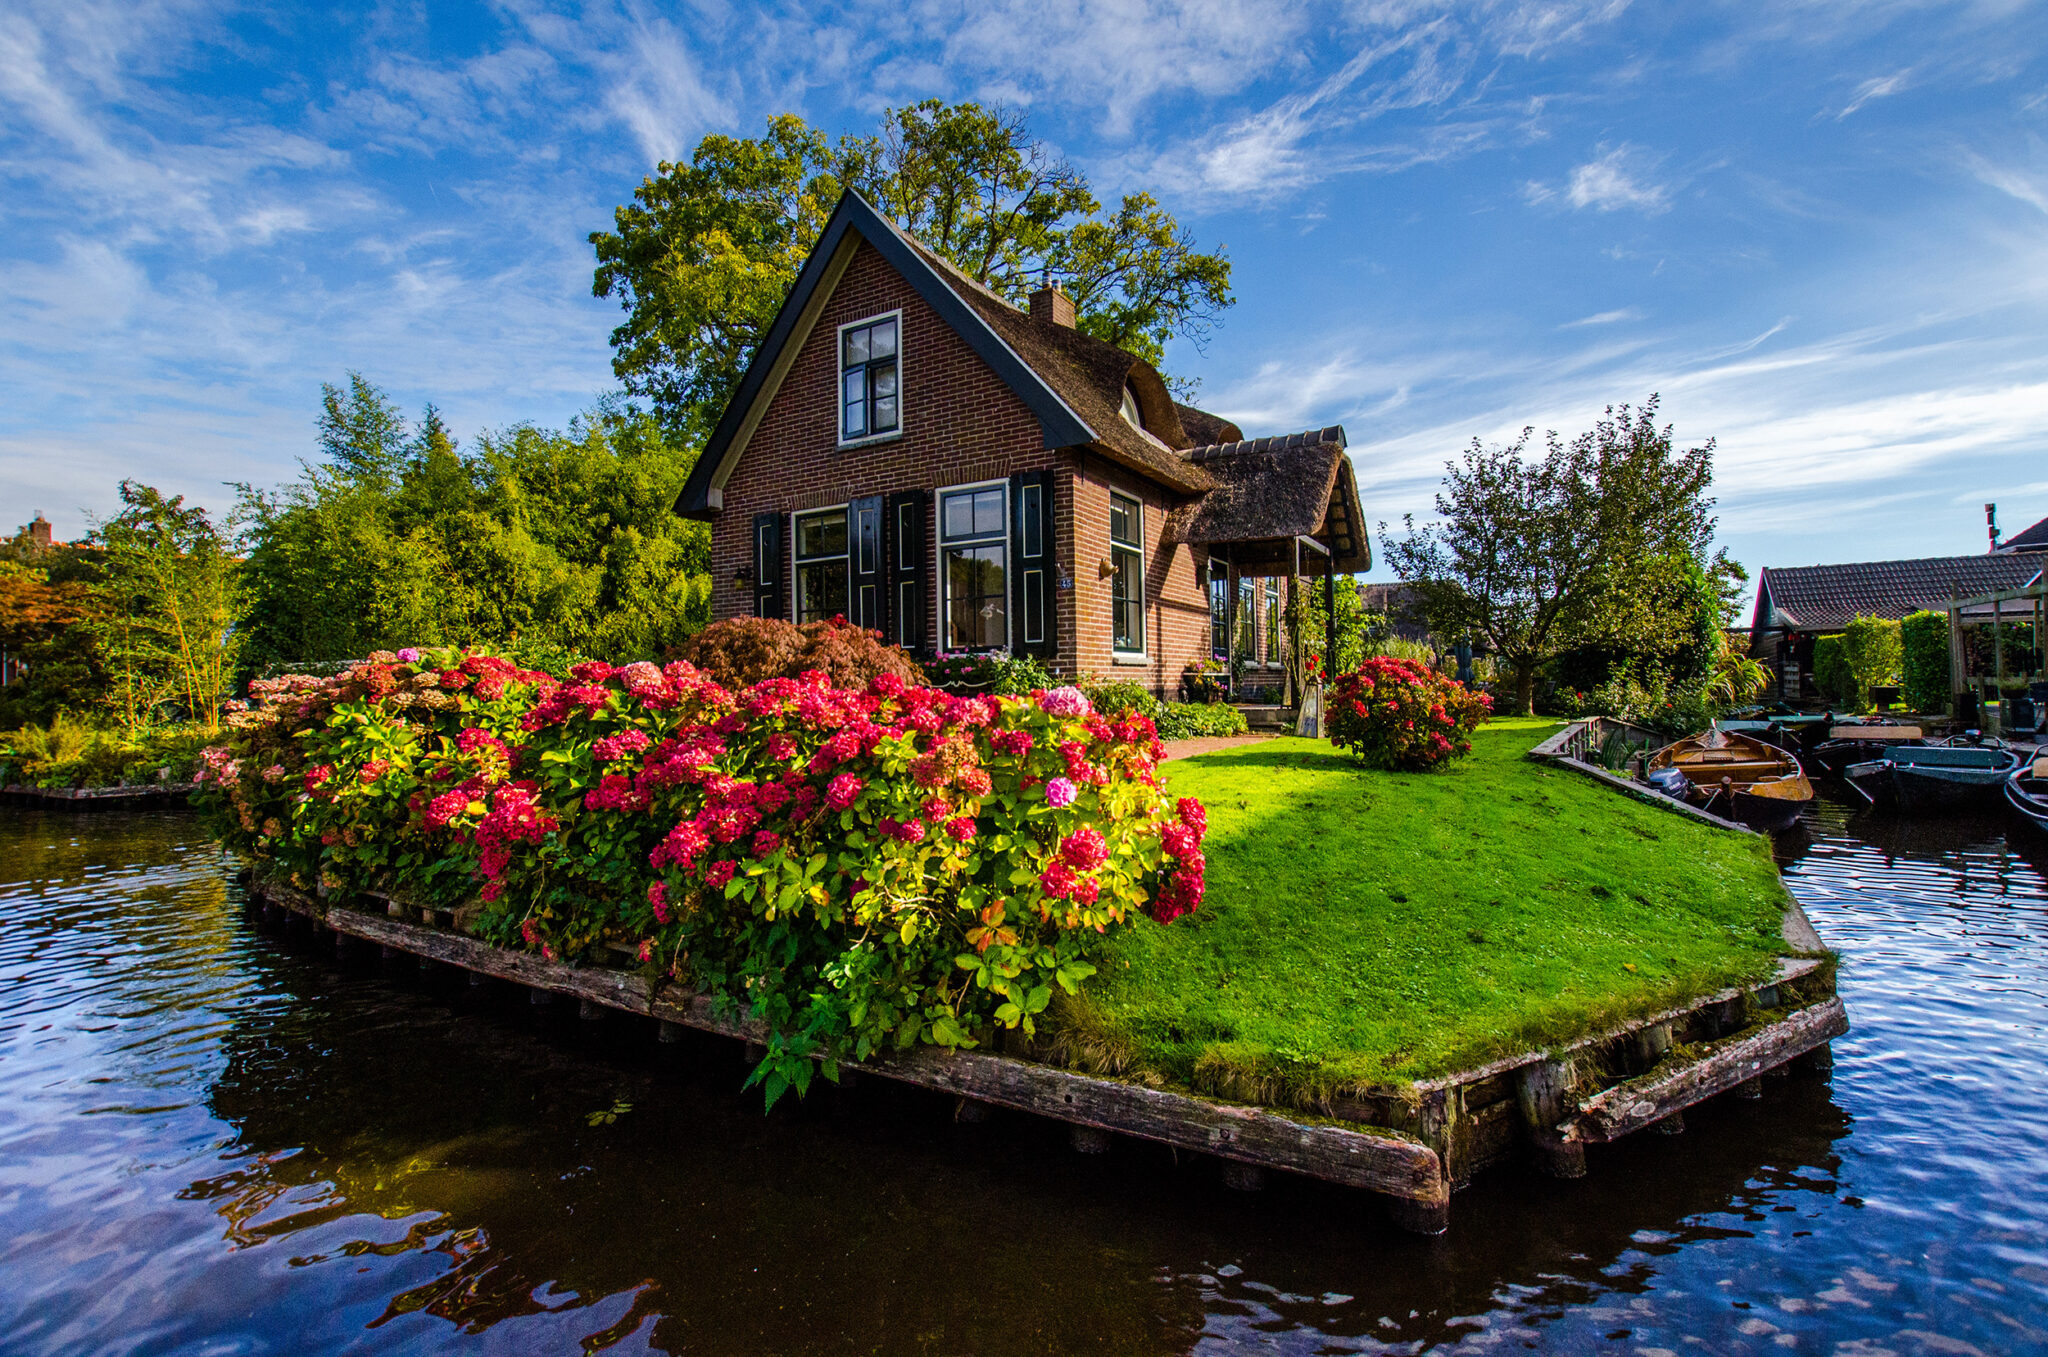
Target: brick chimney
{"x":38,"y":532}
{"x":1049,"y":303}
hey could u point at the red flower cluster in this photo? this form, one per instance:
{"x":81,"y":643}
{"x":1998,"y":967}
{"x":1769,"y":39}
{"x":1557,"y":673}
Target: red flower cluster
{"x":1396,"y":713}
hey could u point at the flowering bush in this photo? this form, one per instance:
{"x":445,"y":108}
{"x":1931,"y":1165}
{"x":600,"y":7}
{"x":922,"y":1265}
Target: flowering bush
{"x":1398,"y":713}
{"x":858,"y":868}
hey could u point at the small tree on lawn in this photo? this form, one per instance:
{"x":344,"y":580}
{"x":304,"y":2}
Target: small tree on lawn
{"x":1527,"y":549}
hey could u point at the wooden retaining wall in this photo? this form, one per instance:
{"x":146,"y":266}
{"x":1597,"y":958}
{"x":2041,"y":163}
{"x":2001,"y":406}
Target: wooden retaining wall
{"x":1410,"y":1145}
{"x":1570,"y":746}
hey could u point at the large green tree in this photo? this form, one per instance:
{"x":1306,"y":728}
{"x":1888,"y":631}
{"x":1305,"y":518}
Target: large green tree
{"x":702,"y":257}
{"x":1532,"y":553}
{"x":560,"y":539}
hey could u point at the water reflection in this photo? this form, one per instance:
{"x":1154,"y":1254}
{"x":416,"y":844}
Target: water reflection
{"x":212,"y":1140}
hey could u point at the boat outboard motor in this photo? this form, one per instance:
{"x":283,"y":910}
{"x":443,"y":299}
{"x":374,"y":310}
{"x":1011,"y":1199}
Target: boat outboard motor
{"x":1670,"y":781}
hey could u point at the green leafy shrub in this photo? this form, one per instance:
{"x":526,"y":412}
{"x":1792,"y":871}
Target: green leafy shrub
{"x":996,"y":675}
{"x":1924,"y":662}
{"x":1194,"y":720}
{"x":1872,"y":651}
{"x":858,"y":869}
{"x":1121,"y":697}
{"x":1399,"y":714}
{"x":1831,"y":672}
{"x":68,"y":753}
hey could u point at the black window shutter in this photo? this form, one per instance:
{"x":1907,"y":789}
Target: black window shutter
{"x":867,"y":575}
{"x":768,"y":565}
{"x":909,"y":566}
{"x":1033,"y":587}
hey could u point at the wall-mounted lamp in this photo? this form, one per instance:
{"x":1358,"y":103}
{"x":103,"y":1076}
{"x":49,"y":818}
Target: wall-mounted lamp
{"x":744,"y":576}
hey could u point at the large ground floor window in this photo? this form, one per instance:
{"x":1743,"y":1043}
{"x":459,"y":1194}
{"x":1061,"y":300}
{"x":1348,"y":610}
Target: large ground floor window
{"x":820,"y":565}
{"x":974,"y":564}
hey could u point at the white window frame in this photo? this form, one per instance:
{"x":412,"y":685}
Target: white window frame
{"x":1141,"y":655}
{"x":945,"y":637}
{"x":796,"y":564}
{"x":839,"y":381}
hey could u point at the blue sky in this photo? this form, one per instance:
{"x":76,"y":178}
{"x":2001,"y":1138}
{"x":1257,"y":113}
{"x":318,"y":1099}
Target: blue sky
{"x":1819,"y":230}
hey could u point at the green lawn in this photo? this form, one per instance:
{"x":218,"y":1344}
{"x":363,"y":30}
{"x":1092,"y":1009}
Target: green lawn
{"x":1366,"y":927}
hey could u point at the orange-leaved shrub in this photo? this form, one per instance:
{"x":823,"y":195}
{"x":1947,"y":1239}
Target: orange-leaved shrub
{"x":859,"y":868}
{"x":1400,"y":714}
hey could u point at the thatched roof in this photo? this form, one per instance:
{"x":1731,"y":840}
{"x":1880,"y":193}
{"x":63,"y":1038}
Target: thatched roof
{"x":1090,"y":376}
{"x":1271,"y":490}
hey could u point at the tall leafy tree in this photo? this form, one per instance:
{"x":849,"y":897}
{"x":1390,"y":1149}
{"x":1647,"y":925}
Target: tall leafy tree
{"x":702,"y":257}
{"x":563,"y":540}
{"x":1531,"y":553}
{"x":166,"y":604}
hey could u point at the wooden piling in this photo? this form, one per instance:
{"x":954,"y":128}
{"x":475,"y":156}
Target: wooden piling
{"x":1544,"y":1093}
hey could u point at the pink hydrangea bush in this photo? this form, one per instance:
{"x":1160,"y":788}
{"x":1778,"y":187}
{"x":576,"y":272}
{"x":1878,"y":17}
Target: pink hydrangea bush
{"x":1395,"y":713}
{"x":861,"y":869}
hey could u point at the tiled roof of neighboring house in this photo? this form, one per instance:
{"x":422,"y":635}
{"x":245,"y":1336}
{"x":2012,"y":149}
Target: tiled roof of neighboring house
{"x":1829,"y":597}
{"x":2033,"y":539}
{"x":1282,"y":487}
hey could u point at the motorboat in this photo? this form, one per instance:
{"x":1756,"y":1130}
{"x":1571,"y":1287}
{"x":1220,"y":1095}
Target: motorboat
{"x":1735,"y":776}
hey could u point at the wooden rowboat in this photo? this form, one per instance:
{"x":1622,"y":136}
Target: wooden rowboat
{"x":1735,"y":776}
{"x":2026,"y":791}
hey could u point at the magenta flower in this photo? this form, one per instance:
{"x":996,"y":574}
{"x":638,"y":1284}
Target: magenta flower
{"x":1069,"y":701}
{"x":1059,"y":792}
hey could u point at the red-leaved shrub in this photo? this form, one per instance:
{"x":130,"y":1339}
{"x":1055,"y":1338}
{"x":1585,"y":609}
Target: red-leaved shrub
{"x":742,"y":651}
{"x":1399,"y":714}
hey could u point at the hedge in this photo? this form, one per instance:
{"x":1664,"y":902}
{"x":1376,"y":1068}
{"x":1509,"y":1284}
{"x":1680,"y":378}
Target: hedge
{"x":1831,"y":669}
{"x":1924,"y":661}
{"x":858,"y":869}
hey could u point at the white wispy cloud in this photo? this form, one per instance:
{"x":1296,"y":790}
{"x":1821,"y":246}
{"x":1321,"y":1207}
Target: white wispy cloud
{"x":1877,"y":87}
{"x":1616,"y":177}
{"x":1613,"y":317}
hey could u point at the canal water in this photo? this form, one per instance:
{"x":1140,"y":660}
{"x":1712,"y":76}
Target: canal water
{"x":219,"y":1141}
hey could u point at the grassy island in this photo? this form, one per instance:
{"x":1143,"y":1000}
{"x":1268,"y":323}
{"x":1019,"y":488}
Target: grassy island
{"x":1365,"y":927}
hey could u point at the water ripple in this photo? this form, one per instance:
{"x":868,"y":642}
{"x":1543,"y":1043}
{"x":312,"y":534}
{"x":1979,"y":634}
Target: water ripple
{"x":214,"y":1140}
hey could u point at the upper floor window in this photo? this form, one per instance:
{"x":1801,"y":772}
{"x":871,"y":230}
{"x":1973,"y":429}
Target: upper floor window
{"x":820,"y":565}
{"x":1127,"y":575}
{"x":1129,"y":410}
{"x":870,"y":403}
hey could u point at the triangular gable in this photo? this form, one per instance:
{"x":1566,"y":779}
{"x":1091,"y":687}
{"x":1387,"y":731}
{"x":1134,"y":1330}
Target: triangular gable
{"x":853,"y":221}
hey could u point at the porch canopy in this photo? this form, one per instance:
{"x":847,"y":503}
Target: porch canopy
{"x":1286,"y":505}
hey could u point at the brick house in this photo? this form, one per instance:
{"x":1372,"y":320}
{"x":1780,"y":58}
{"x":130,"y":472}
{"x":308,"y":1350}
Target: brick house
{"x":909,"y":450}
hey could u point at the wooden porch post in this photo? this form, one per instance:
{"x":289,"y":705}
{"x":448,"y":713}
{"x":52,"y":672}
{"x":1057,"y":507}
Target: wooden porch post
{"x":1329,"y":619}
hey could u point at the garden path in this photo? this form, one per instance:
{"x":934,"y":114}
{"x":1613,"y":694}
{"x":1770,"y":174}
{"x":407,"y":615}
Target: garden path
{"x":1181,"y":749}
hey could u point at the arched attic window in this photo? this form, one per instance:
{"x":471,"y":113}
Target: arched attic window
{"x":1129,"y":410}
